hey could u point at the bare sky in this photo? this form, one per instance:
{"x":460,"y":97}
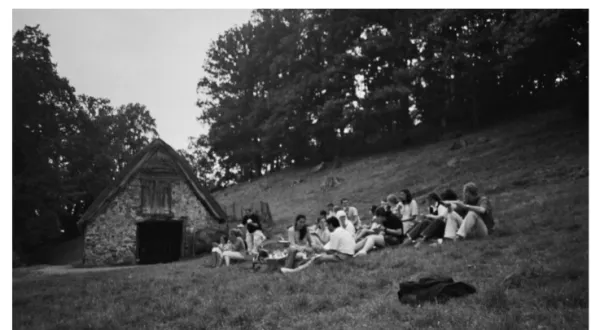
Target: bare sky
{"x":153,"y":57}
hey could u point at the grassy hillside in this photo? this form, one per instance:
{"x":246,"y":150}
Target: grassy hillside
{"x":535,"y":151}
{"x":532,"y":274}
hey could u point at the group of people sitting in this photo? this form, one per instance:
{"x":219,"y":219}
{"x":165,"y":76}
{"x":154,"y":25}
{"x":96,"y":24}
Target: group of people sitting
{"x":235,"y":248}
{"x":340,"y":234}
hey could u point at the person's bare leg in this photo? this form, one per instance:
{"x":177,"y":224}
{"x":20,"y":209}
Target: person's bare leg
{"x":323,"y":258}
{"x":372,"y":240}
{"x":326,"y":258}
{"x":364,"y":232}
{"x":359,"y":245}
{"x":301,"y":267}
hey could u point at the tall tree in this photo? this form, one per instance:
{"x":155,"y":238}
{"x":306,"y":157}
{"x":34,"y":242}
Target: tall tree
{"x":298,"y":85}
{"x":41,"y":103}
{"x":202,"y":160}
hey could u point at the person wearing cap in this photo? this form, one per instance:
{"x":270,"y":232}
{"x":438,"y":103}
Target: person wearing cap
{"x":345,"y":222}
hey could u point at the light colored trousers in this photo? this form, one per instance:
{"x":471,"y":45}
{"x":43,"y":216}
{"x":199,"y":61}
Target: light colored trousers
{"x":472,"y":226}
{"x":254,"y":240}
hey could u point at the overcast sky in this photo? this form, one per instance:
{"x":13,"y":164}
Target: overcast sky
{"x":153,"y":57}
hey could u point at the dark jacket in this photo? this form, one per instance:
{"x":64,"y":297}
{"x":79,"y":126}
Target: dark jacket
{"x":255,"y":225}
{"x":432,"y":289}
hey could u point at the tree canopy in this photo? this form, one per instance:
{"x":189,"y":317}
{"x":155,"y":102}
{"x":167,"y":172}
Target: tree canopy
{"x":291,"y":87}
{"x":66,"y":148}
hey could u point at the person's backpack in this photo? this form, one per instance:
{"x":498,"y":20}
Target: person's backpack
{"x":432,"y":289}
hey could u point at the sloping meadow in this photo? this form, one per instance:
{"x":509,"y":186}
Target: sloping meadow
{"x":531,"y":274}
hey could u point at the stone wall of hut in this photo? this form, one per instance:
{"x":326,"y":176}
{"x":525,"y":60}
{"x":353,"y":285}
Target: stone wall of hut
{"x":110,"y":238}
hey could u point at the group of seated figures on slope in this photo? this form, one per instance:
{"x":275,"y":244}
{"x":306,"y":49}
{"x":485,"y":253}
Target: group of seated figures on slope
{"x":339,"y":234}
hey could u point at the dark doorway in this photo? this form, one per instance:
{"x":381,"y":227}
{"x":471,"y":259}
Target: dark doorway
{"x":159,"y":241}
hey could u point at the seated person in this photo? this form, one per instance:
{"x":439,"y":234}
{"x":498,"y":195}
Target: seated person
{"x":352,"y":213}
{"x":384,"y":203}
{"x":432,"y":225}
{"x":340,"y":247}
{"x":320,"y":236}
{"x":298,"y":235}
{"x":218,"y":249}
{"x":237,"y":249}
{"x":394,"y":206}
{"x":346,"y":223}
{"x":478,"y":221}
{"x":374,"y":228}
{"x":391,"y":234}
{"x":254,"y":232}
{"x":409,"y":210}
{"x":299,"y":240}
{"x":331,"y":211}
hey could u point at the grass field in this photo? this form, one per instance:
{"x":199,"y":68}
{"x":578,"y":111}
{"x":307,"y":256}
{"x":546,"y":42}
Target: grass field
{"x":532,"y":274}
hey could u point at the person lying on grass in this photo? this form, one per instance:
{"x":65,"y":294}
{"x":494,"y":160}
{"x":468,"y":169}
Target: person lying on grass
{"x":390,"y":235}
{"x":478,"y":221}
{"x":340,"y":247}
{"x":433,"y":224}
{"x":237,"y":249}
{"x":218,"y":249}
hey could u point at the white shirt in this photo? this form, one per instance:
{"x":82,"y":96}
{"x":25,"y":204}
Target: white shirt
{"x":408,"y":210}
{"x":442,"y":210}
{"x":342,"y":241}
{"x":349,"y":227}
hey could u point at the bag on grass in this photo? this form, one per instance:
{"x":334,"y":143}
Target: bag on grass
{"x":432,"y":289}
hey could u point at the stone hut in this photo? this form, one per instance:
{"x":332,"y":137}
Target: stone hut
{"x":150,"y":212}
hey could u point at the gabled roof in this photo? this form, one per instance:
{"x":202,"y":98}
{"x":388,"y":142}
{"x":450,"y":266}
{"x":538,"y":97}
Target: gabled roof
{"x":107,"y":195}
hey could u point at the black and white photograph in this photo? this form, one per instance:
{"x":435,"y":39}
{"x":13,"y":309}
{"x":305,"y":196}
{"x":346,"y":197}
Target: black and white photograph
{"x":322,"y":167}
